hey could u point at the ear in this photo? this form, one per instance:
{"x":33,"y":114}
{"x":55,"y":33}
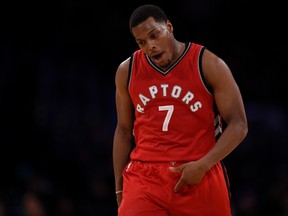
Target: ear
{"x":169,"y":26}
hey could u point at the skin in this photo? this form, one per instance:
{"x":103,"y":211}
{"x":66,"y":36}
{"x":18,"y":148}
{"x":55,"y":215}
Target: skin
{"x":158,"y":42}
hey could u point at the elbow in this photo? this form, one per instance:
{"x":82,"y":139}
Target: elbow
{"x":240,"y":130}
{"x":243,"y":130}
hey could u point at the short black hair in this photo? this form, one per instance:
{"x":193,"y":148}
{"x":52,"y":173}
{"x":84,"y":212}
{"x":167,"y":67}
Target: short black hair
{"x":143,"y":12}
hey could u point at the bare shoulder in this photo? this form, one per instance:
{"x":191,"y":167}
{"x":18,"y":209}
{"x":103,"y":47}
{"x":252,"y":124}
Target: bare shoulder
{"x":215,"y":70}
{"x":122,"y":72}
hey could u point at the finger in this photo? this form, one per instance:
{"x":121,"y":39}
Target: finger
{"x":178,"y":185}
{"x":175,"y":169}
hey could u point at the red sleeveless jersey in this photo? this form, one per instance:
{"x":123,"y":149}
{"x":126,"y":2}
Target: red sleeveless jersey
{"x":174,"y":110}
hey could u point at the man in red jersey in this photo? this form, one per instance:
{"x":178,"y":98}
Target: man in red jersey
{"x":171,"y":97}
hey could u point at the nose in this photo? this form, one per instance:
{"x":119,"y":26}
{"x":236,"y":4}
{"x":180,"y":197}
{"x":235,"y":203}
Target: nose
{"x":151,"y":45}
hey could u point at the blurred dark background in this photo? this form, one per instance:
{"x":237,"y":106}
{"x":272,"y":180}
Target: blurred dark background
{"x":57,"y":110}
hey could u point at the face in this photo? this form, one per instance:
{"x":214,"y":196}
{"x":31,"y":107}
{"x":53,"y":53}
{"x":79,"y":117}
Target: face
{"x":156,"y":40}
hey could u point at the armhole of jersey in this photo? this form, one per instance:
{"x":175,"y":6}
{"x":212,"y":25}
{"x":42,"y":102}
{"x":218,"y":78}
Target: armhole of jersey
{"x":128,"y":88}
{"x":130,"y":71}
{"x":218,"y":123}
{"x":201,"y":71}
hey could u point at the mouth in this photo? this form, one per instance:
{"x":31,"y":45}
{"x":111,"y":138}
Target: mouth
{"x":157,"y":57}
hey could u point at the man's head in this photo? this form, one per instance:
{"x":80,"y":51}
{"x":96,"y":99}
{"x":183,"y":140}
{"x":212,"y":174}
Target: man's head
{"x":153,"y":33}
{"x":143,"y":12}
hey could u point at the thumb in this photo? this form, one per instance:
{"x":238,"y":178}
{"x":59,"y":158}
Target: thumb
{"x":176,"y":169}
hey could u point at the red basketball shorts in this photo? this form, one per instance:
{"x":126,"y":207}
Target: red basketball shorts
{"x":148,"y":191}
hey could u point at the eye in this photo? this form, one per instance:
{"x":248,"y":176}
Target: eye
{"x":155,"y":35}
{"x":141,"y":43}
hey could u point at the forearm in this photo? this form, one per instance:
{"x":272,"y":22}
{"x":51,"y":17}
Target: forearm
{"x":232,"y":136}
{"x":121,"y":151}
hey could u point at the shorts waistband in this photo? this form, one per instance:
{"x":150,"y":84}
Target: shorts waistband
{"x":171,"y":163}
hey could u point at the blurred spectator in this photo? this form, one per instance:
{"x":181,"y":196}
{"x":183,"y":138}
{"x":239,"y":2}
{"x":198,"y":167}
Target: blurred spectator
{"x":32,"y":205}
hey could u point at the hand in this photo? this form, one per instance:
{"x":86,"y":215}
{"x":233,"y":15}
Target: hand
{"x":192,"y":173}
{"x":119,"y":199}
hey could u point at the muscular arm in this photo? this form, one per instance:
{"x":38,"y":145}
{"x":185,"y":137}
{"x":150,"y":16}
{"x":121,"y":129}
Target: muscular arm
{"x":123,"y":136}
{"x":230,"y":105}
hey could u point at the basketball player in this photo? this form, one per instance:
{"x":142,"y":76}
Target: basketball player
{"x":172,"y":98}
